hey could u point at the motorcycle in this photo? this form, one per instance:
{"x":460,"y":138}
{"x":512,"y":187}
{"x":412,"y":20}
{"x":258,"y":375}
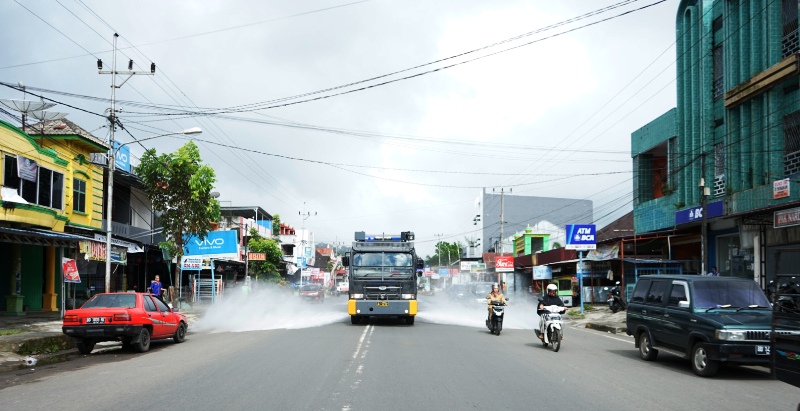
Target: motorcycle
{"x":615,"y":300}
{"x":495,"y":324}
{"x":553,"y":326}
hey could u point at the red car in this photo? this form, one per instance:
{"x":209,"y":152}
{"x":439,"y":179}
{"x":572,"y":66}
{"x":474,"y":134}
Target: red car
{"x":133,"y":318}
{"x":312,"y":292}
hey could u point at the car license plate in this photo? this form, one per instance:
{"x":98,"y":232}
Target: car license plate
{"x":762,"y":349}
{"x":95,"y":320}
{"x":383,"y":303}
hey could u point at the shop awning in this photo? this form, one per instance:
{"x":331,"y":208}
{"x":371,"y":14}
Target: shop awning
{"x":38,"y":237}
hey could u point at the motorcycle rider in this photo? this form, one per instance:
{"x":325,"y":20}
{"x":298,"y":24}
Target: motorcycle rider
{"x":495,"y":296}
{"x":547,"y":300}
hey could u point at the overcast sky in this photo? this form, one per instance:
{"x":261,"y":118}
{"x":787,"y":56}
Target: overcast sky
{"x":536,"y":96}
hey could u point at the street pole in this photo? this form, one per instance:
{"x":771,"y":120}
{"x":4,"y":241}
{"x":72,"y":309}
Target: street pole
{"x":580,"y":277}
{"x":703,"y":232}
{"x":305,"y":215}
{"x":112,"y":120}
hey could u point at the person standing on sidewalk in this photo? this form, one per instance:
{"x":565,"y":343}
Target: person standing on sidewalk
{"x":155,"y":287}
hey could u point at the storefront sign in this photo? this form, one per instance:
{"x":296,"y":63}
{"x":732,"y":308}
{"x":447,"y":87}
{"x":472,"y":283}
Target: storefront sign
{"x":219,"y":244}
{"x":478,"y":268}
{"x":70,"y":269}
{"x":467,"y":265}
{"x":787,"y":218}
{"x":542,"y":272}
{"x":257,"y":256}
{"x":132,"y":247}
{"x":780,"y":188}
{"x":580,"y":237}
{"x":504,"y":264}
{"x":689,"y":215}
{"x":191,"y":263}
{"x":96,"y":251}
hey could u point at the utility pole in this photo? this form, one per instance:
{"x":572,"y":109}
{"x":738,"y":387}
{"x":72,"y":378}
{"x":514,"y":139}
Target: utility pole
{"x":439,"y":249}
{"x":502,"y":216}
{"x":704,"y":191}
{"x":112,"y":122}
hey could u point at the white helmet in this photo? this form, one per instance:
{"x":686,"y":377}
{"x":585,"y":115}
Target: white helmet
{"x":552,"y":287}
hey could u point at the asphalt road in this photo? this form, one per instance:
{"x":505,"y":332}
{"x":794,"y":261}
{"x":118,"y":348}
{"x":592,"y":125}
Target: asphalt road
{"x":283,"y":355}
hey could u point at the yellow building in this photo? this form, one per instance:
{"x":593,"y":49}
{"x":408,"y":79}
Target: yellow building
{"x":48,"y":184}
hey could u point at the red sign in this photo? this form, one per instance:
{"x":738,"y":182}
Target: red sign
{"x":504,"y":264}
{"x":787,"y":218}
{"x":70,"y":269}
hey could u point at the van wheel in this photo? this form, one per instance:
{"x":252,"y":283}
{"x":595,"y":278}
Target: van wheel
{"x":701,"y":364}
{"x":646,"y":350}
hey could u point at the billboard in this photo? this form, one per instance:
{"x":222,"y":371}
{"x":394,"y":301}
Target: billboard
{"x":581,"y":237}
{"x":504,"y":264}
{"x":221,"y":244}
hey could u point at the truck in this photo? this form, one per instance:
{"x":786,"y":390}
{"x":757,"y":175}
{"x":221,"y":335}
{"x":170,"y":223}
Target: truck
{"x":383,"y":271}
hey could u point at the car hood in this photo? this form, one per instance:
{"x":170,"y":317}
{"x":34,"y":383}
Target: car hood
{"x":759,"y":319}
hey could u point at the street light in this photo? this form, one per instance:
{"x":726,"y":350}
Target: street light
{"x":112,"y":154}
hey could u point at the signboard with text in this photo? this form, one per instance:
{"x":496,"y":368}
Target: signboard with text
{"x":689,"y":215}
{"x":70,"y":269}
{"x":542,"y":272}
{"x":580,"y":237}
{"x":216,"y":243}
{"x":780,"y":188}
{"x":504,"y":264}
{"x":787,"y":218}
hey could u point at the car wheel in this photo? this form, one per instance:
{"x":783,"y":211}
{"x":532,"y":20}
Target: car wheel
{"x":85,"y":347}
{"x":555,"y":339}
{"x":144,"y":341}
{"x":180,"y":333}
{"x":410,"y":320}
{"x":646,"y":350}
{"x":701,"y":364}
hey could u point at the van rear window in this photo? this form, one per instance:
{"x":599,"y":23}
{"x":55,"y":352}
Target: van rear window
{"x":640,"y":292}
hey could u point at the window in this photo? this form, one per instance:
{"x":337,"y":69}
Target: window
{"x":78,"y":195}
{"x":641,"y":291}
{"x":791,"y":144}
{"x":148,"y":304}
{"x":678,"y":294}
{"x":656,"y":293}
{"x":47,"y":190}
{"x":789,"y":41}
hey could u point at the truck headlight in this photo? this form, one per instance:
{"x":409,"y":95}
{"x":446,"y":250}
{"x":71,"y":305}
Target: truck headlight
{"x":356,"y":296}
{"x":407,"y":296}
{"x":728,"y":335}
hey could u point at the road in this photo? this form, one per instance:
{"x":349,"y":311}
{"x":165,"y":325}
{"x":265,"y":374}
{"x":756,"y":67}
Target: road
{"x":284,"y":355}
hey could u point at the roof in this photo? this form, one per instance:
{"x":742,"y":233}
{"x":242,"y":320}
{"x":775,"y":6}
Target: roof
{"x":63,"y":127}
{"x":246,"y":212}
{"x":621,"y":227}
{"x":39,"y":237}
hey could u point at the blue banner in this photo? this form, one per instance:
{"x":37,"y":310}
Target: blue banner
{"x":216,"y":242}
{"x":689,"y":215}
{"x":581,"y":237}
{"x":122,"y":160}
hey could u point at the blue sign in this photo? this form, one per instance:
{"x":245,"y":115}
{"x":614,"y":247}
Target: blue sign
{"x":216,"y":242}
{"x":444,"y":272}
{"x":689,"y":215}
{"x":301,"y":262}
{"x":581,"y":237}
{"x":122,"y":160}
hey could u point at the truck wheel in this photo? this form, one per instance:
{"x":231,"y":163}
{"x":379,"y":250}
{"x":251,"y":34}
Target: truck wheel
{"x":354,"y":319}
{"x":701,"y":364}
{"x":410,"y":320}
{"x":85,"y":346}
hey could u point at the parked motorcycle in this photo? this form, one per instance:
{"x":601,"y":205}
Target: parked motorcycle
{"x":552,"y":324}
{"x":495,"y":324}
{"x":615,"y":300}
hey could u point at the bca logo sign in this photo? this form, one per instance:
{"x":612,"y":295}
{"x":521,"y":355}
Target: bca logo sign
{"x":580,"y":237}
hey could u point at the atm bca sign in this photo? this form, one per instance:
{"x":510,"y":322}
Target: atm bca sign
{"x":581,"y":237}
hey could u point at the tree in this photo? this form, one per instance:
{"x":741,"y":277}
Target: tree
{"x":274,"y":258}
{"x":179,"y":188}
{"x":276,"y":225}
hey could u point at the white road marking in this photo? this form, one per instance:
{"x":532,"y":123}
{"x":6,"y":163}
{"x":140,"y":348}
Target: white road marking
{"x":607,"y":335}
{"x":361,"y":341}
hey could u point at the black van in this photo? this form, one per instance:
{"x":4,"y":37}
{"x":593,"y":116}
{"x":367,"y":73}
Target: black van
{"x":709,"y":320}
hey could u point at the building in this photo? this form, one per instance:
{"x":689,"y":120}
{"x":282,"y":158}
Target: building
{"x":717,"y":171}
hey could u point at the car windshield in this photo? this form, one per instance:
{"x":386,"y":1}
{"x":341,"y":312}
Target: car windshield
{"x":111,"y":301}
{"x":735,"y":294}
{"x":482,"y":289}
{"x":380,"y":265}
{"x":310,"y":287}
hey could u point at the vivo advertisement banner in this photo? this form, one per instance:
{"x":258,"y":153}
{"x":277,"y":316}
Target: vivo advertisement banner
{"x":215,"y":243}
{"x":714,"y":209}
{"x":542,"y":272}
{"x":122,"y":160}
{"x":580,"y":237}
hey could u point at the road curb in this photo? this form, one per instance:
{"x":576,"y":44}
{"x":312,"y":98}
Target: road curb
{"x":606,"y":328}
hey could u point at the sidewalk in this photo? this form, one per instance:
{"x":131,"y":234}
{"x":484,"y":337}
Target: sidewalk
{"x":38,"y":335}
{"x":600,"y":318}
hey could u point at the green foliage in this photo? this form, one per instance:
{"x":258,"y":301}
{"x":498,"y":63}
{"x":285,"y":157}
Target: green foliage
{"x":587,"y":307}
{"x":11,"y":331}
{"x":179,"y":188}
{"x":446,"y":254}
{"x":555,"y":245}
{"x":269,"y":269}
{"x":276,"y":225}
{"x":576,"y":313}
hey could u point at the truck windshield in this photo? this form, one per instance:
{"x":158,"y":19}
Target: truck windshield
{"x":372,"y":265}
{"x":735,"y":294}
